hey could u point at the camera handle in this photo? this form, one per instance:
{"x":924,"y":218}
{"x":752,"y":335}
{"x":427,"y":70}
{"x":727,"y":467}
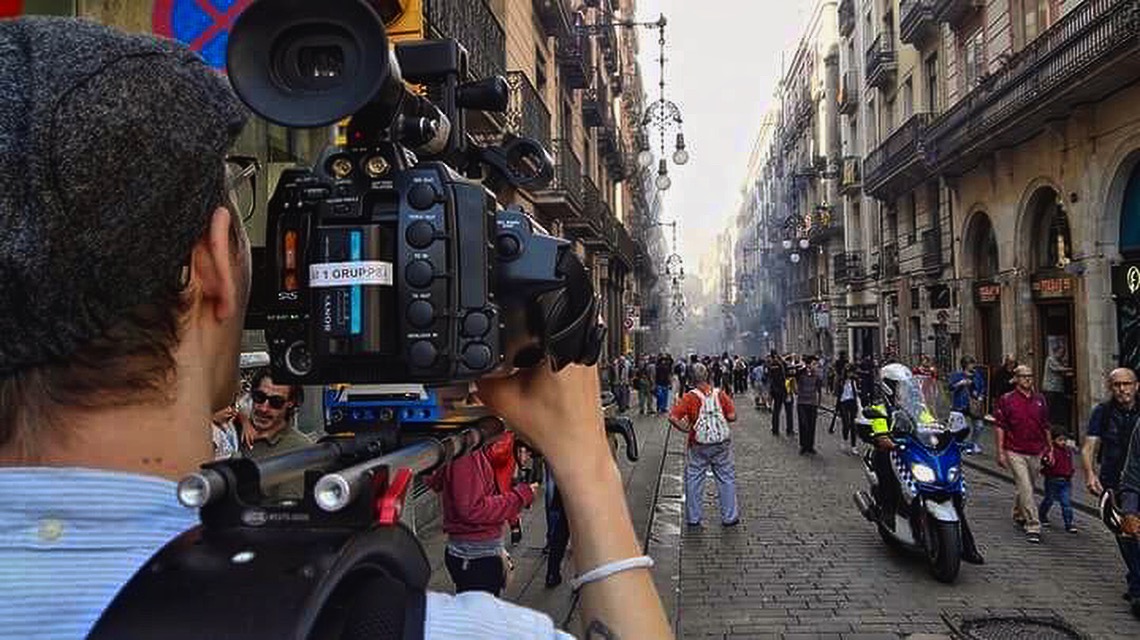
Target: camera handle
{"x":293,"y":570}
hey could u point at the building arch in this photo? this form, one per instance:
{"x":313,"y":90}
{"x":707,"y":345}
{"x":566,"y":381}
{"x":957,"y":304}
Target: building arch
{"x":980,"y":255}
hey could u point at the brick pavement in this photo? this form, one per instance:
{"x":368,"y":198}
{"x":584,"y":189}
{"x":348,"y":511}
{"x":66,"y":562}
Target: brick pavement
{"x":804,"y":563}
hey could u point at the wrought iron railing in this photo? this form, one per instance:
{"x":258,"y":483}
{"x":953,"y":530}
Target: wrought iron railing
{"x":905,"y":144}
{"x":953,"y":11}
{"x":475,"y":26}
{"x":554,"y":16}
{"x":1085,"y":37}
{"x":848,"y":267}
{"x":595,"y":101}
{"x":527,"y":114}
{"x":889,"y":259}
{"x":576,"y":59}
{"x":593,"y":205}
{"x":567,"y":172}
{"x":916,"y":17}
{"x":880,"y":60}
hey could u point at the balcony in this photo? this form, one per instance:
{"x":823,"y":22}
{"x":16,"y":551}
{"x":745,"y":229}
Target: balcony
{"x":575,"y":60}
{"x":955,"y":12}
{"x":527,"y":114}
{"x":847,"y":268}
{"x":562,"y":198}
{"x":824,"y":224}
{"x":881,"y":60}
{"x":889,"y":261}
{"x":612,"y":147}
{"x":846,"y":17}
{"x":1090,"y":53}
{"x":590,"y":227}
{"x":595,"y":102}
{"x":932,"y":252}
{"x":900,"y":163}
{"x":849,"y":93}
{"x":851,"y":180}
{"x":474,"y":26}
{"x":608,"y":43}
{"x":627,"y":250}
{"x":555,"y":19}
{"x":917,"y":22}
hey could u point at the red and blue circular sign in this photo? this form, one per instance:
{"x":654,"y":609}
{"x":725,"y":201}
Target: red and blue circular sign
{"x":203,"y":25}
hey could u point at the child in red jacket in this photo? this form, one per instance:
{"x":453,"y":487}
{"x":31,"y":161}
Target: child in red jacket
{"x":474,"y":511}
{"x":1058,"y":474}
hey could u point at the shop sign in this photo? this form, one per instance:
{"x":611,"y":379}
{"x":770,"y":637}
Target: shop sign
{"x":1126,"y":280}
{"x":863,"y":313}
{"x":1053,"y":287}
{"x":821,"y":315}
{"x":987,"y":293}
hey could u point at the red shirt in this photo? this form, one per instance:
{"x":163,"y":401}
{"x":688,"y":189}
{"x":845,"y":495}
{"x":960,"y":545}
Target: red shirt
{"x":473,"y":506}
{"x":688,"y":408}
{"x":1062,"y":466}
{"x":1025,"y":422}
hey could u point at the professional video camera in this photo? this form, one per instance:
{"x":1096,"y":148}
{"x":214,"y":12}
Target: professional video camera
{"x":393,"y":278}
{"x":385,"y":262}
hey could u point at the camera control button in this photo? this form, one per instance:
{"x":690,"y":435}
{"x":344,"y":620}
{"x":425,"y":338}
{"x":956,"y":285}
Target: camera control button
{"x":507,"y":246}
{"x":422,"y":354}
{"x":477,"y":356}
{"x":419,"y":273}
{"x":315,"y":193}
{"x":422,"y":196}
{"x":421,"y":314}
{"x":420,"y":234}
{"x":476,"y":324}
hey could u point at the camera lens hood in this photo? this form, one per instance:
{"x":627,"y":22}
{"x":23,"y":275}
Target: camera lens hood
{"x":300,"y":63}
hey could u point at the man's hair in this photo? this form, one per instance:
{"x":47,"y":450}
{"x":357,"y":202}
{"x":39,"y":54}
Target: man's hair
{"x":296,"y":391}
{"x":700,"y":373}
{"x":89,"y":317}
{"x":967,"y":361}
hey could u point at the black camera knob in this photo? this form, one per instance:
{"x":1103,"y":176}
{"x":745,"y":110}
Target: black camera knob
{"x":422,"y":354}
{"x":507,"y":246}
{"x":422,"y":196}
{"x":421,"y":314}
{"x":419,"y":273}
{"x":477,"y":356}
{"x":476,"y":324}
{"x":420,"y":234}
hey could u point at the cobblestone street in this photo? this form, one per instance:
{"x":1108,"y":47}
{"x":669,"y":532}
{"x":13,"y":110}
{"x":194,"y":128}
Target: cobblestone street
{"x":804,"y":563}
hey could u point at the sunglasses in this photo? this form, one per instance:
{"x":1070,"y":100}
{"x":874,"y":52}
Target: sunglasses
{"x":260,"y":397}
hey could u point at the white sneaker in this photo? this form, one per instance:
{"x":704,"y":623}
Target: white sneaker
{"x":854,"y":451}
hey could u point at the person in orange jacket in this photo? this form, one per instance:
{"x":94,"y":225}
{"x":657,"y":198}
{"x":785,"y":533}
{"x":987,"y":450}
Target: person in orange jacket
{"x":502,"y":455}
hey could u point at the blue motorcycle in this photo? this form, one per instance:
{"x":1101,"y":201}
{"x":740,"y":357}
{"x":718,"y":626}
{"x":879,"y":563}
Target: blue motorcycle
{"x":916,"y":481}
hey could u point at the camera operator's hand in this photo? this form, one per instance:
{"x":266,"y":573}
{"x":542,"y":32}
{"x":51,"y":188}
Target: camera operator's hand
{"x":561,"y":415}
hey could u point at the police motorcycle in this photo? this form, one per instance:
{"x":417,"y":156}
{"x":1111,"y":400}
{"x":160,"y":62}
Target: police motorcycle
{"x":918,"y":505}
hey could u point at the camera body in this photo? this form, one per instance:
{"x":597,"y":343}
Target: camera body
{"x":395,"y":278}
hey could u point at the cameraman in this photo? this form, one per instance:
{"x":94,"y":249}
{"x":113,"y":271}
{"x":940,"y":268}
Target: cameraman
{"x":124,"y":276}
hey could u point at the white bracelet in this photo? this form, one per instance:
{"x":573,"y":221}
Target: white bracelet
{"x":609,"y":569}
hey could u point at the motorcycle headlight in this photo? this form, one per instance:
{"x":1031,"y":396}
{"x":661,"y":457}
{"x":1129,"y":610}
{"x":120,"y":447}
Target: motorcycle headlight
{"x":952,"y":474}
{"x":922,"y":472}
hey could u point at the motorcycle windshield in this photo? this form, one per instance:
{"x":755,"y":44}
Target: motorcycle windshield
{"x":924,"y":400}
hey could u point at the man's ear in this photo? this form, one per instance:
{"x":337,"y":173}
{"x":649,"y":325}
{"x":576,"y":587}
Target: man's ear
{"x":213,"y":266}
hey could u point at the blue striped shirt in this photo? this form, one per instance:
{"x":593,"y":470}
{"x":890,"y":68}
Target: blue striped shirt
{"x":70,"y":538}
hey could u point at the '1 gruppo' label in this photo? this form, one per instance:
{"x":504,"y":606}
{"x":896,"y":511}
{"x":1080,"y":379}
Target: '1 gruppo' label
{"x":346,"y":274}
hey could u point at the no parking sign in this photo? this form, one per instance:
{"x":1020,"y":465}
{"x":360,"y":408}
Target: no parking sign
{"x":203,"y":25}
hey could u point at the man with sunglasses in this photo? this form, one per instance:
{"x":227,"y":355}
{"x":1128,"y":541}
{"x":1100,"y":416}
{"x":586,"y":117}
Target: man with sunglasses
{"x":271,"y":428}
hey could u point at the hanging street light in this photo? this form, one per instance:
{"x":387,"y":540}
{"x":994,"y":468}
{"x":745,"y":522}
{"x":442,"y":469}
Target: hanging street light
{"x":680,"y":156}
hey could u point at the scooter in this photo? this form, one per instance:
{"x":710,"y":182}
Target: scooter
{"x":927,"y":463}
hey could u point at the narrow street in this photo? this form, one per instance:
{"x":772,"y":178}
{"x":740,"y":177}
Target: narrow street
{"x":804,"y":564}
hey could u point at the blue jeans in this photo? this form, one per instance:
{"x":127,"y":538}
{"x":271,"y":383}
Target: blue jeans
{"x":662,"y":398}
{"x":698,"y":459}
{"x":1059,"y":490}
{"x":1129,"y":547}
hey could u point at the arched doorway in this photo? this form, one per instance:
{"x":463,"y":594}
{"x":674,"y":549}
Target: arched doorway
{"x":1126,"y":276}
{"x":1049,"y":246}
{"x":982,"y":264}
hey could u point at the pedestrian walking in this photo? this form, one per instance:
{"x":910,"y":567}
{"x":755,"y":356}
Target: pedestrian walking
{"x":663,"y":378}
{"x":809,"y":394}
{"x":1022,"y":418}
{"x":644,"y":385}
{"x":1001,"y":382}
{"x":705,"y":413}
{"x":1110,"y":430}
{"x":1058,"y":472}
{"x":622,"y":382}
{"x":968,"y":393}
{"x":776,"y":375}
{"x":848,"y":405}
{"x":866,"y":375}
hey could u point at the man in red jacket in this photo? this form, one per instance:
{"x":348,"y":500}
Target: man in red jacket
{"x":1022,"y":418}
{"x":474,"y":511}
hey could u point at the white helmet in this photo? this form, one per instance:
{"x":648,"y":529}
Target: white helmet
{"x":893,"y":376}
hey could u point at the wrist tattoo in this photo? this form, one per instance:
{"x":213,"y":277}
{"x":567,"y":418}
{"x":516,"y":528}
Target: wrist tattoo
{"x":599,"y":631}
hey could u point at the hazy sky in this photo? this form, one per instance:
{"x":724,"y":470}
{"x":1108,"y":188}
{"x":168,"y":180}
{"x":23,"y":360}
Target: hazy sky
{"x":722,"y":67}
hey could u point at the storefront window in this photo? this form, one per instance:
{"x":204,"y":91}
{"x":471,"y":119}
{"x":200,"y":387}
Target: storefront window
{"x":1130,"y":216}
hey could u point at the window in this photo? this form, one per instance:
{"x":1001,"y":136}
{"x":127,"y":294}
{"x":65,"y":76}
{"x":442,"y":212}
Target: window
{"x":973,"y":59}
{"x":888,"y":117}
{"x":540,"y":72}
{"x":1034,"y":18}
{"x":932,"y":205}
{"x":912,"y":212}
{"x":872,"y":130}
{"x":915,"y":336}
{"x":932,"y":83}
{"x":908,"y":100}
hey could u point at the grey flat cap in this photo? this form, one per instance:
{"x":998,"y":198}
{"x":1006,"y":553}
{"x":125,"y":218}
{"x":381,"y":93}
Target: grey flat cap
{"x":111,"y":152}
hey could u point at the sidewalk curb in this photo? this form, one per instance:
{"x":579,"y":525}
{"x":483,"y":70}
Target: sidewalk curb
{"x":1079,"y":506}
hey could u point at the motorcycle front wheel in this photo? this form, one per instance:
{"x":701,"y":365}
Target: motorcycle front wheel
{"x":943,"y":549}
